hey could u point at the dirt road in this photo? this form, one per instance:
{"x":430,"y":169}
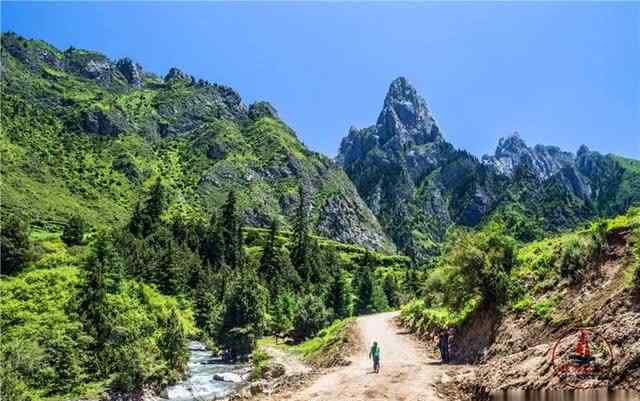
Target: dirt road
{"x":406,"y":373}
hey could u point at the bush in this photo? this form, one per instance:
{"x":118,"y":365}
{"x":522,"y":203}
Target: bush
{"x":15,"y":248}
{"x":73,"y":233}
{"x":244,"y":316}
{"x":311,"y":316}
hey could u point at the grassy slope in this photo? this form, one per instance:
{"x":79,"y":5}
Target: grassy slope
{"x":52,"y":169}
{"x":537,"y":284}
{"x":45,"y":348}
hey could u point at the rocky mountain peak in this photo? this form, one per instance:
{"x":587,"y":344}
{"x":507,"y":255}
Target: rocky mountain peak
{"x":262,"y":109}
{"x":405,"y":116}
{"x":175,"y":74}
{"x":510,"y":144}
{"x":131,"y":71}
{"x":512,"y":152}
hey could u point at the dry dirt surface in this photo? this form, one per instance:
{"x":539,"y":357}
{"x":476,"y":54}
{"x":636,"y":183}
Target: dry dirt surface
{"x":407,"y":373}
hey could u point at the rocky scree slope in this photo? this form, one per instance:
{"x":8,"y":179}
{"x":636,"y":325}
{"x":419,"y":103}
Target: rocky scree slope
{"x":82,"y":133}
{"x":419,"y":185}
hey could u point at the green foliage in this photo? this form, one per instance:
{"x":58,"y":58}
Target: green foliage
{"x":310,"y":317}
{"x":231,"y":232}
{"x":369,"y":293}
{"x":339,"y":295}
{"x":282,"y":312}
{"x":47,"y":352}
{"x":391,"y":290}
{"x":244,"y":315}
{"x":73,"y":233}
{"x":329,"y":345}
{"x":300,"y":251}
{"x":259,"y":359}
{"x":15,"y":248}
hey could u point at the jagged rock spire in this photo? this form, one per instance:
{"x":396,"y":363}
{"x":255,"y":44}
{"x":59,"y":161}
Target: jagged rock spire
{"x":405,"y":115}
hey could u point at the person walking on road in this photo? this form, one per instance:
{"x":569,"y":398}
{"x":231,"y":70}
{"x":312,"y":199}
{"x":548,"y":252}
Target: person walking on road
{"x":375,"y":355}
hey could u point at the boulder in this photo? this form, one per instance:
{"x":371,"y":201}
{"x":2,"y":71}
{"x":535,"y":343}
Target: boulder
{"x":274,"y":370}
{"x":132,"y":72}
{"x":228,"y":377}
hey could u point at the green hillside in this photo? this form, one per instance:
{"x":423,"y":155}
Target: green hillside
{"x":81,"y":135}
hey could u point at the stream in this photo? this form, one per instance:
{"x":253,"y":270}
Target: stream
{"x":566,"y":395}
{"x":200,"y":384}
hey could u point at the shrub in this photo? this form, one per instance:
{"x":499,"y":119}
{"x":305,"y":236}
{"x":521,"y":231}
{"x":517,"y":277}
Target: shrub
{"x":15,"y":248}
{"x":73,"y":233}
{"x":311,"y":316}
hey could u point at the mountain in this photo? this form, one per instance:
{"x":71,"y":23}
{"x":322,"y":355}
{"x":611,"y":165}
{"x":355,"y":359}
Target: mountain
{"x":85,"y":134}
{"x":419,"y":185}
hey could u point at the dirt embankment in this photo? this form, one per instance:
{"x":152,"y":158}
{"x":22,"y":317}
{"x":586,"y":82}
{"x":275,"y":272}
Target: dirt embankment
{"x":517,"y":351}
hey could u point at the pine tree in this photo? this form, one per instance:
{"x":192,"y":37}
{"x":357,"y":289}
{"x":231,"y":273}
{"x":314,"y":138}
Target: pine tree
{"x":268,"y":267}
{"x":175,"y":269}
{"x":275,"y":266}
{"x":364,"y":291}
{"x":339,"y":294}
{"x":371,"y":297}
{"x":174,"y":343}
{"x":282,"y":312}
{"x":230,"y":230}
{"x":146,"y":215}
{"x":300,"y":251}
{"x":73,"y":232}
{"x":15,"y":248}
{"x":244,"y":315}
{"x":213,"y":245}
{"x":311,"y":316}
{"x":102,"y":275}
{"x":391,"y":290}
{"x":156,"y":202}
{"x":411,"y":283}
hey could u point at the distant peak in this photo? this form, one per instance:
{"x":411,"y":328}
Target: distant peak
{"x":261,"y":109}
{"x":401,"y":89}
{"x":175,"y":74}
{"x":510,"y":143}
{"x":406,"y":114}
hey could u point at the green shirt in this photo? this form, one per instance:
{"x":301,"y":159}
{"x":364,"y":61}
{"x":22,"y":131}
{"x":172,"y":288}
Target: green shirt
{"x":375,"y":352}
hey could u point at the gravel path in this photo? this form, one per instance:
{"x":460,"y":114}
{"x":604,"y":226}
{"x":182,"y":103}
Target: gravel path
{"x":407,"y":373}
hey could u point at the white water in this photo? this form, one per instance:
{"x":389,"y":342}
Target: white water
{"x":199,"y":385}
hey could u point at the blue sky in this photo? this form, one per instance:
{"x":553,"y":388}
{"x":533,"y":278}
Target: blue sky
{"x":563,"y":74}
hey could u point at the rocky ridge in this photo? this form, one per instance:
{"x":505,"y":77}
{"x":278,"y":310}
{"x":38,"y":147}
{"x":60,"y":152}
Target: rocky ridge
{"x":419,"y":185}
{"x":114,"y":126}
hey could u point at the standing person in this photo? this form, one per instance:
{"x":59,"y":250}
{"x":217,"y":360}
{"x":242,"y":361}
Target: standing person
{"x":443,"y":344}
{"x":375,"y":355}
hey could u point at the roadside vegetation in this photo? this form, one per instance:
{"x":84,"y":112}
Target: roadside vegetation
{"x":489,"y":268}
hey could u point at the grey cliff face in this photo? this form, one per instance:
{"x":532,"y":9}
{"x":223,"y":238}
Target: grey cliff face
{"x":513,"y":152}
{"x":398,"y":167}
{"x":405,"y":117}
{"x":131,"y":71}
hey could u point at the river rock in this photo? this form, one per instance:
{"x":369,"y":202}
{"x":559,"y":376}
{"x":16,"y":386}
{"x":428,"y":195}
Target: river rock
{"x":228,"y":377}
{"x":274,"y":370}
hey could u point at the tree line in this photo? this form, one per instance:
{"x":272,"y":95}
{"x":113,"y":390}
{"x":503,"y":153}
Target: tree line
{"x":292,"y":289}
